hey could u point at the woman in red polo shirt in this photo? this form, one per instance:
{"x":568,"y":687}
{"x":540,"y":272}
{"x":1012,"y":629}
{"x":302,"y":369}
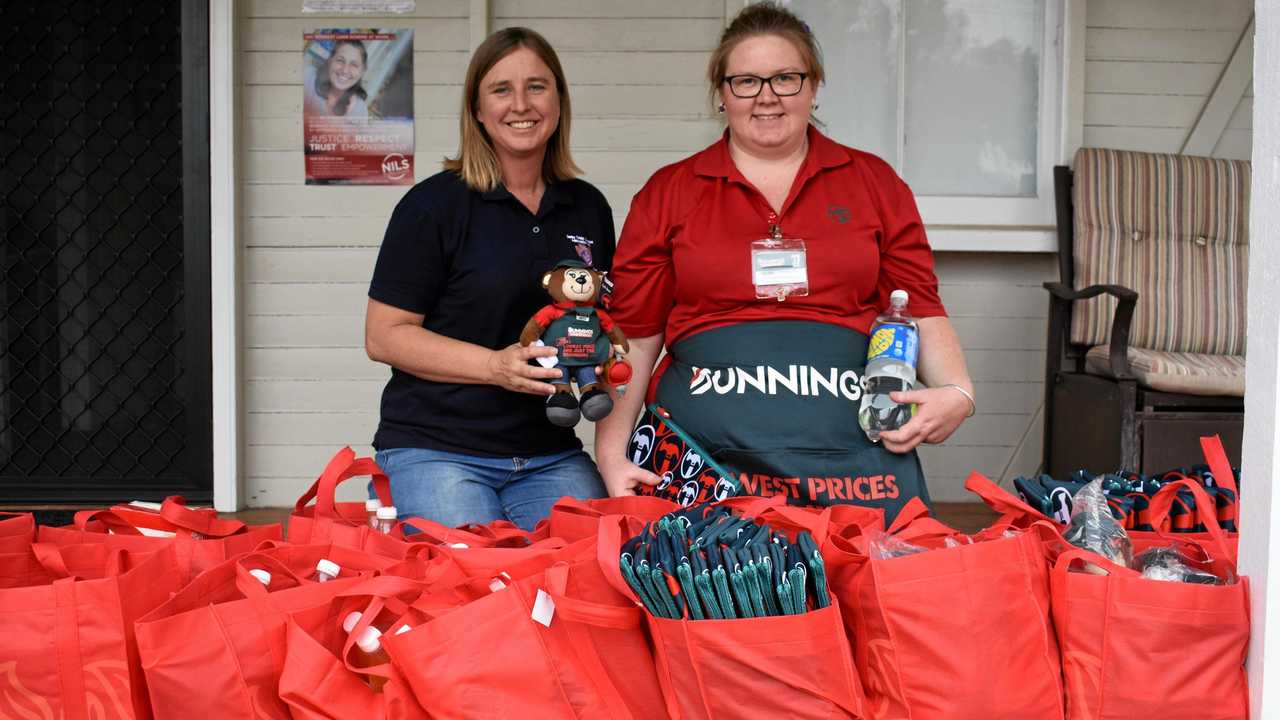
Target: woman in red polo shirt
{"x":767,"y":383}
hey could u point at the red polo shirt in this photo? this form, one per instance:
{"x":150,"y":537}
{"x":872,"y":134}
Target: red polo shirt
{"x":683,"y":263}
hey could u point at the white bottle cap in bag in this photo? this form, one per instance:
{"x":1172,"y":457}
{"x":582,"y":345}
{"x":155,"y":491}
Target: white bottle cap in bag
{"x":263,"y":576}
{"x":349,"y":623}
{"x":328,"y":567}
{"x":372,"y":504}
{"x":370,"y":640}
{"x":387,"y":512}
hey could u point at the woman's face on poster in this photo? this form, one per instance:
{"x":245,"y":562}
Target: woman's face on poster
{"x":346,"y":67}
{"x":518,"y":104}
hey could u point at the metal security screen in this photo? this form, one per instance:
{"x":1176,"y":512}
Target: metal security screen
{"x":104,"y":287}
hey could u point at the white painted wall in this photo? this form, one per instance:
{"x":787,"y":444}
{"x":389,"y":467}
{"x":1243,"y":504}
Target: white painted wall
{"x":1150,"y":66}
{"x":636,"y":71}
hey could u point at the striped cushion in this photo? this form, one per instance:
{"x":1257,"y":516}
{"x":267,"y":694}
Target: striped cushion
{"x":1190,"y":373}
{"x":1174,"y":228}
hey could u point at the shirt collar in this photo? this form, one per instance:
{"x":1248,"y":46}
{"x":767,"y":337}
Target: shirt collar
{"x":556,"y":193}
{"x":715,"y":161}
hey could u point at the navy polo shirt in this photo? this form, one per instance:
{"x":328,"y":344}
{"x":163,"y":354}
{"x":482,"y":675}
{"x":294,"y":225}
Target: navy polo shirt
{"x":472,"y":263}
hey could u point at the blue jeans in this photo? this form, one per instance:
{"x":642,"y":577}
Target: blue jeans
{"x":584,"y":375}
{"x":455,"y":489}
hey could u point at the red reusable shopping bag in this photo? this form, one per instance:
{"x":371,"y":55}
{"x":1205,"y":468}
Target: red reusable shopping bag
{"x":330,"y":521}
{"x":490,"y":658}
{"x":200,"y":538}
{"x":346,"y":523}
{"x":68,"y":647}
{"x":572,"y":519}
{"x":792,"y":666}
{"x":318,"y":681}
{"x":955,"y":632}
{"x":216,"y":649}
{"x":1139,"y":648}
{"x":17,"y":532}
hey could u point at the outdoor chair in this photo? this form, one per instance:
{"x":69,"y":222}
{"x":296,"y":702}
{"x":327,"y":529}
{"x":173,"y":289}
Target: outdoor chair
{"x":1146,"y":345}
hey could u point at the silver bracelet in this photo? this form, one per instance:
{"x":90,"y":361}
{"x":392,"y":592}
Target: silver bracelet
{"x":973,"y":405}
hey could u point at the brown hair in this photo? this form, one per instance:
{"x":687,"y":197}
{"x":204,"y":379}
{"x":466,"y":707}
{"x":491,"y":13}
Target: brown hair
{"x":476,"y":160}
{"x":766,"y":18}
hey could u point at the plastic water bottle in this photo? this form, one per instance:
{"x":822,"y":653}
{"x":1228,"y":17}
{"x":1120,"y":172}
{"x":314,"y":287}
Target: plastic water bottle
{"x":891,"y":367}
{"x":327,"y":570}
{"x":371,"y":511}
{"x":386,"y":519}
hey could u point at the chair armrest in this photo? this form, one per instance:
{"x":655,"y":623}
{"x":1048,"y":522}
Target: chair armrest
{"x":1118,"y":352}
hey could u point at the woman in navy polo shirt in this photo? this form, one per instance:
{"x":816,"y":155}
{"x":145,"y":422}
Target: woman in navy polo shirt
{"x":463,"y":432}
{"x":767,"y":384}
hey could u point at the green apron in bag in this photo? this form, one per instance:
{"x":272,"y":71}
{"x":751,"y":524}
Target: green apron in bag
{"x":775,"y":406}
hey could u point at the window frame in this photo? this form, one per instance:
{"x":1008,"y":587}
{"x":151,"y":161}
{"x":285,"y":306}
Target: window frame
{"x":1013,"y":224}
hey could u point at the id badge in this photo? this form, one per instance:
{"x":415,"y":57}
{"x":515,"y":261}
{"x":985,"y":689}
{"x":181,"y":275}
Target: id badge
{"x":779,"y":268}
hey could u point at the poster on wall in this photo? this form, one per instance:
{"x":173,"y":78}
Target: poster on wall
{"x":358,"y":7}
{"x":357,"y":110}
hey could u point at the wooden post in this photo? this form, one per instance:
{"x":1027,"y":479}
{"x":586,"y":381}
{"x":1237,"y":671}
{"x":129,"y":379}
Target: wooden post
{"x":1260,"y":504}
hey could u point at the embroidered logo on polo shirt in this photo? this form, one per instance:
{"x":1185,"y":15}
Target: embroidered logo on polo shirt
{"x":839,"y":214}
{"x":582,"y":246}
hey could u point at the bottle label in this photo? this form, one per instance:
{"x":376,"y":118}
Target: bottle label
{"x":898,"y":342}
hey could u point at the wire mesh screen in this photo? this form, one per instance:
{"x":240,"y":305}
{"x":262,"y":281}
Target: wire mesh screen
{"x":94,"y":357}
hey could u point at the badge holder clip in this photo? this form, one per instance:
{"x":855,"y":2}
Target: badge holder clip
{"x":779,"y":267}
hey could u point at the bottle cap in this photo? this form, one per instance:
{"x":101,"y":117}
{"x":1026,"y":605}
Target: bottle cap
{"x":403,"y":629}
{"x":263,"y":576}
{"x":349,"y":623}
{"x":372,"y":504}
{"x":370,"y":640}
{"x":328,"y":567}
{"x":898,"y":296}
{"x":387,"y":513}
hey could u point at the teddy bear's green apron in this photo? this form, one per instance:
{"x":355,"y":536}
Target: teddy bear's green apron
{"x":578,"y":336}
{"x":774,"y":405}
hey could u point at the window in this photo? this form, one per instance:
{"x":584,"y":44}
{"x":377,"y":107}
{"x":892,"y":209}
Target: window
{"x":962,"y":97}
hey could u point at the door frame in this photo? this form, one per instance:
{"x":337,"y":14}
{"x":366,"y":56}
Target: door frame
{"x":224,"y":258}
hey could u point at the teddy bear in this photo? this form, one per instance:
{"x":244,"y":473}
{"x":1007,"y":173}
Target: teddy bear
{"x":584,"y":336}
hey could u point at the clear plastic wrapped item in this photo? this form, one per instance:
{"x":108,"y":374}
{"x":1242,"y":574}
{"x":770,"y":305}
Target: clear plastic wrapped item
{"x":1093,"y":527}
{"x":886,"y":547}
{"x":1169,"y":564}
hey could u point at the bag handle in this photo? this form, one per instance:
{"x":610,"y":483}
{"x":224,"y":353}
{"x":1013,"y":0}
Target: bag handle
{"x":1063,"y":564}
{"x":914,"y":510}
{"x":206,"y":522}
{"x":818,"y":524}
{"x":1216,"y":457}
{"x":1001,"y":500}
{"x":111,"y":522}
{"x":250,"y":586}
{"x":51,"y":558}
{"x":609,"y":550}
{"x":433,"y":531}
{"x":342,"y":467}
{"x":1206,"y":511}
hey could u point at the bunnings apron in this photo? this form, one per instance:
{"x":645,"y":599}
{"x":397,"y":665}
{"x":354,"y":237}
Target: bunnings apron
{"x":770,"y":408}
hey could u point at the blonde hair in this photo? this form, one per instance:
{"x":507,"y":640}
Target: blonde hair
{"x":476,"y":160}
{"x":766,"y":18}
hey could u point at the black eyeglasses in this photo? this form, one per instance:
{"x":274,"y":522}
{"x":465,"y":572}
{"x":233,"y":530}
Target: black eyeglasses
{"x":783,"y":84}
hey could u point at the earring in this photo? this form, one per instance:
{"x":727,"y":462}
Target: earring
{"x":815,"y":107}
{"x":720,"y":108}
